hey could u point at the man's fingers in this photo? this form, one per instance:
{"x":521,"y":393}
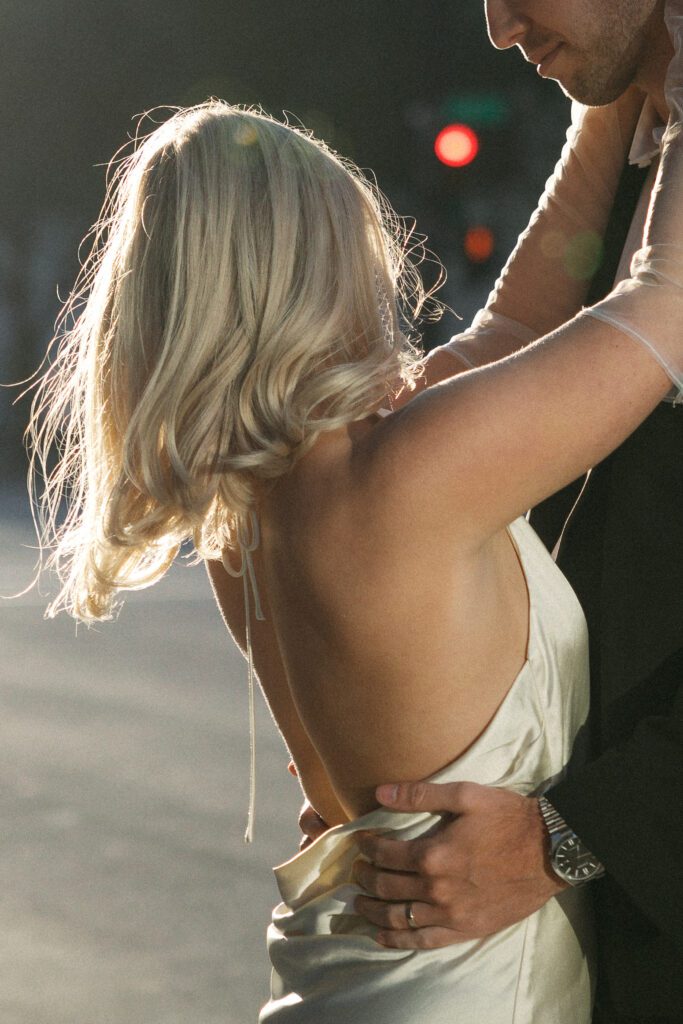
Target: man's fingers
{"x":393,"y":854}
{"x":388,"y":885}
{"x":421,"y":938}
{"x":392,"y":916}
{"x":452,"y":797}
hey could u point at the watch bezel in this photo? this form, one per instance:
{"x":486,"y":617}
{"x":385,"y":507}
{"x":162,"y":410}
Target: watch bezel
{"x":573,"y":875}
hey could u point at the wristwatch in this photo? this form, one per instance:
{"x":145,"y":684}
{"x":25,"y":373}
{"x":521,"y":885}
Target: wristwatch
{"x":570,"y":859}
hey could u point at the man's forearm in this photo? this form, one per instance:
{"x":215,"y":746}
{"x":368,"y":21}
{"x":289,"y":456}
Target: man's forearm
{"x":490,"y":338}
{"x":626,"y":807}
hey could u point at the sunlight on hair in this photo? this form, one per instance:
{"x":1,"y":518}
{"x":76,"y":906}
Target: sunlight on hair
{"x":246,"y":290}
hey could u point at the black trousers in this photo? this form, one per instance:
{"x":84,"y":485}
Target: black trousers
{"x":605,"y":1016}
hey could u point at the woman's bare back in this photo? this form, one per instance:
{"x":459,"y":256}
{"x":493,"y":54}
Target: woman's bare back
{"x":384,"y":655}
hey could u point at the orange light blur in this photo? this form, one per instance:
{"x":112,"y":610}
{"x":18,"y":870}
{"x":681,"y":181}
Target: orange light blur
{"x":457,"y":145}
{"x":479,"y":244}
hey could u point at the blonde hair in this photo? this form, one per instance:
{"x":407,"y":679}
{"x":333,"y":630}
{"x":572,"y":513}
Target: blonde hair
{"x":241,"y":297}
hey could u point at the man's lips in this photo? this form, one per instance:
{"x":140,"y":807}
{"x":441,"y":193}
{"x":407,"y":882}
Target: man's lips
{"x":545,"y":58}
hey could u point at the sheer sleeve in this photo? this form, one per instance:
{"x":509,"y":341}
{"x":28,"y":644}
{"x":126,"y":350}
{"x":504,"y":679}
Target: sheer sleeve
{"x":546,"y":279}
{"x":648,"y":307}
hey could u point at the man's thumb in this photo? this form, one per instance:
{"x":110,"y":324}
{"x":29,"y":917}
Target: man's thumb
{"x":453,"y":797}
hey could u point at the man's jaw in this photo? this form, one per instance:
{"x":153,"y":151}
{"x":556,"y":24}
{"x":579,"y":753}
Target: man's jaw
{"x":578,"y":74}
{"x":594,"y":73}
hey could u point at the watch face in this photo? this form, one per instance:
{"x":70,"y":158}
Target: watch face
{"x":574,"y":862}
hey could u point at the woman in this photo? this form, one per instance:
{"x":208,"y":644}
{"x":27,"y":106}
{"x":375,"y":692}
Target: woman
{"x":230,"y":378}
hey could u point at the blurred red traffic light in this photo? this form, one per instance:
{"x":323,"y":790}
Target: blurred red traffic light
{"x":457,"y":145}
{"x":479,"y":244}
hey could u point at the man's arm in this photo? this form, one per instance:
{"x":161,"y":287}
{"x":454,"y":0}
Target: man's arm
{"x":543,"y":284}
{"x":627,"y":808}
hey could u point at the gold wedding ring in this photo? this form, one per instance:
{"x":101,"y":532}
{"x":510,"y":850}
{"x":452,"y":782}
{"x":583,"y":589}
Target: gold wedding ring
{"x":410,"y":916}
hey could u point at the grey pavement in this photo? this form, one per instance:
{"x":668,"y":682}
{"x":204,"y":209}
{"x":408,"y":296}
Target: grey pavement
{"x":128,"y":894}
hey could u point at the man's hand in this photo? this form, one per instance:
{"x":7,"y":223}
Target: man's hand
{"x":485,"y":869}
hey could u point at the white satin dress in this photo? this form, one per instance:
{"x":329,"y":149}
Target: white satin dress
{"x":327,"y":969}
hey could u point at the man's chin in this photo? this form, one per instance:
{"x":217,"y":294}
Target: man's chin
{"x":593,"y":94}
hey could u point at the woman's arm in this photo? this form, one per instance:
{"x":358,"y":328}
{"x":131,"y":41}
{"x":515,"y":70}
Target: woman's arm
{"x":539,"y":288}
{"x":486,"y":446}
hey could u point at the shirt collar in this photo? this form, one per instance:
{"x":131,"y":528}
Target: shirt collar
{"x":647,"y":141}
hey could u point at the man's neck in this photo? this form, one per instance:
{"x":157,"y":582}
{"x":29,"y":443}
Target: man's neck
{"x":659,"y":52}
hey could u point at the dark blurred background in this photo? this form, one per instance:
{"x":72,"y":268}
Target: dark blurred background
{"x":377,"y":80}
{"x":128,"y":896}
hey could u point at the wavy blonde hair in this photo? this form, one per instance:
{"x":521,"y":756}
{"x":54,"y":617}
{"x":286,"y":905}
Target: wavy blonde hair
{"x":246,"y":290}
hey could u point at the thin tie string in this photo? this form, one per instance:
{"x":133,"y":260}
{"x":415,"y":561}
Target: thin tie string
{"x":247,"y":545}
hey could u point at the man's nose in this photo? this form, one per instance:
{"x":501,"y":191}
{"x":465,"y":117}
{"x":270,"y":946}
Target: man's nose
{"x":506,"y":25}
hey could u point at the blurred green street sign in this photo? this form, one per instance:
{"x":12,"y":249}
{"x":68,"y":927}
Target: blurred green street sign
{"x":480,"y":109}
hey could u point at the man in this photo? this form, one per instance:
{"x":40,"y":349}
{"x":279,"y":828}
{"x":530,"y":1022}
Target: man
{"x":614,"y":822}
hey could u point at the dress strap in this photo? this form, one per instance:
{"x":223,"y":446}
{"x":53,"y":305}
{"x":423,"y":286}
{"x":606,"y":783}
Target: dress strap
{"x":248,"y":541}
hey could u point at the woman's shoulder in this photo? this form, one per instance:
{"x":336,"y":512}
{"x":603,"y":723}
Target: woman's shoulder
{"x":352,"y":513}
{"x":366,"y":496}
